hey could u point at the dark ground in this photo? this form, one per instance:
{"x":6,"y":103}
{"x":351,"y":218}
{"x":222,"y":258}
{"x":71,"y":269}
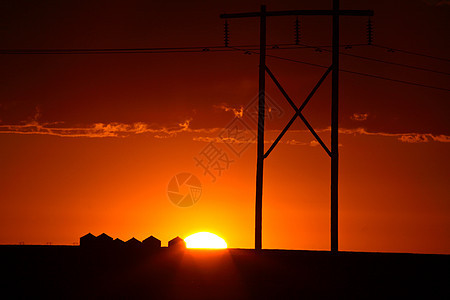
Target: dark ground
{"x":75,"y":272}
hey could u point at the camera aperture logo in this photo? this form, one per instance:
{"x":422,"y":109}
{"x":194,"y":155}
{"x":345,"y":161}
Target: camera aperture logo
{"x":184,"y":189}
{"x":237,"y":136}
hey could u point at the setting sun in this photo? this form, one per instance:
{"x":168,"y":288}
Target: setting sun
{"x":205,"y":240}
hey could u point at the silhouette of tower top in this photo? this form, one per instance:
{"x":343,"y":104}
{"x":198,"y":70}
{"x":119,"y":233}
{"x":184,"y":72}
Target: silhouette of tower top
{"x":335,"y":13}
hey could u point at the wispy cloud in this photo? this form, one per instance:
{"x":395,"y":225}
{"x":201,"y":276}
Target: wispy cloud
{"x":295,"y":142}
{"x":424,"y":138}
{"x":414,"y":138}
{"x":403,"y":137}
{"x":238,"y":112}
{"x":228,"y":140}
{"x":216,"y":139}
{"x":441,"y":138}
{"x":116,"y":129}
{"x":100,"y":130}
{"x":359,"y":117}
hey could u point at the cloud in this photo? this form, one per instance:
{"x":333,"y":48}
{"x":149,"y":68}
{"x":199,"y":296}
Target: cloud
{"x":228,"y":140}
{"x":295,"y":142}
{"x":238,"y":112}
{"x":441,"y":138}
{"x":116,"y":129}
{"x":217,"y":139}
{"x":403,"y":137}
{"x":100,"y":130}
{"x":359,"y":117}
{"x":424,"y":138}
{"x":417,"y":138}
{"x":314,"y":143}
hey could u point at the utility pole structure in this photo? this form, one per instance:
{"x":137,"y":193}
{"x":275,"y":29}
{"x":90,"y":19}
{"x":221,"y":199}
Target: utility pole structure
{"x":334,"y":69}
{"x":335,"y":127}
{"x":261,"y":116}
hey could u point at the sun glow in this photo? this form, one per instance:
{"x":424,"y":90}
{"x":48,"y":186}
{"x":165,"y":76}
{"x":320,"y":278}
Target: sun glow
{"x":205,"y":240}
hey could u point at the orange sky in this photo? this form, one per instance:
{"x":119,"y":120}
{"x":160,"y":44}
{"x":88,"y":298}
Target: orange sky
{"x":90,"y":143}
{"x":392,"y":194}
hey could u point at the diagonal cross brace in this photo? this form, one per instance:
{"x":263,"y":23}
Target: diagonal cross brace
{"x":298,"y":111}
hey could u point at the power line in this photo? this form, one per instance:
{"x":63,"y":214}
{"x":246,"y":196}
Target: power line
{"x":109,"y":52}
{"x":364,"y":74}
{"x":195,"y":49}
{"x":357,"y":73}
{"x":248,"y":49}
{"x":396,"y":64}
{"x":396,"y":80}
{"x":199,"y":49}
{"x":383,"y":61}
{"x":118,"y":50}
{"x":390,"y":49}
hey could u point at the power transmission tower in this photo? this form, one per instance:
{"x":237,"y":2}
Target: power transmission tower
{"x":335,"y":13}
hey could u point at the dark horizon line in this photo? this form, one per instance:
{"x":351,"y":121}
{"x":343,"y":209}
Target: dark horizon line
{"x":345,"y":252}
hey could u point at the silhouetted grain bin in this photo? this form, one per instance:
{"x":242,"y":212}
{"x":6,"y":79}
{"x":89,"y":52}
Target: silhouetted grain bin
{"x":87,"y":240}
{"x":177,"y":243}
{"x":152,"y":242}
{"x":133,"y":243}
{"x":104,"y":239}
{"x":119,"y":243}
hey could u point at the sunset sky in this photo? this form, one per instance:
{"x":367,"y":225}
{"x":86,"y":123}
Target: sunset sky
{"x":90,"y":142}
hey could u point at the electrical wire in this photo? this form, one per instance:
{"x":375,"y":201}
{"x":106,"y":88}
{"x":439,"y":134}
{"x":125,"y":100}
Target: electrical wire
{"x":248,"y":49}
{"x":153,"y":50}
{"x":381,"y":61}
{"x":358,"y":73}
{"x":411,"y":53}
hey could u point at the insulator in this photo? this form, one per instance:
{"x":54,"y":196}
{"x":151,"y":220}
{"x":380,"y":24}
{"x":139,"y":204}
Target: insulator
{"x":297,"y":31}
{"x":226,"y":34}
{"x":369,"y":32}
